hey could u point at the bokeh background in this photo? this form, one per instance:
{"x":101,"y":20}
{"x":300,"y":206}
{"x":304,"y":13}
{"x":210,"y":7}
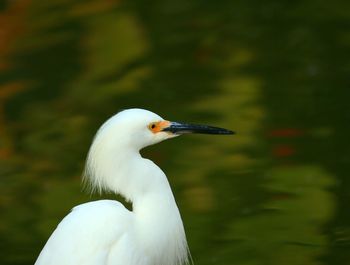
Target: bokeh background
{"x":277,"y":72}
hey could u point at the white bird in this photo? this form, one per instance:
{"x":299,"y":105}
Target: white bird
{"x":104,"y":232}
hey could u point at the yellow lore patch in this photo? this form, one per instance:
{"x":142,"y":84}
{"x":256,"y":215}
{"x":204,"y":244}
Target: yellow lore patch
{"x":156,"y":127}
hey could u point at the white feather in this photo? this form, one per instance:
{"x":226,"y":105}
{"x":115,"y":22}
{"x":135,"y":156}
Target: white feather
{"x":105,"y":232}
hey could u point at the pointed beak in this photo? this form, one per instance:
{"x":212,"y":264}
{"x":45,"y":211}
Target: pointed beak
{"x":184,"y":128}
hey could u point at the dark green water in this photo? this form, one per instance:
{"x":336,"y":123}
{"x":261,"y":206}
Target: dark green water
{"x":276,"y":72}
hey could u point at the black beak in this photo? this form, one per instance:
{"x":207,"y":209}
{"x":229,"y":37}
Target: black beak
{"x":183,"y":128}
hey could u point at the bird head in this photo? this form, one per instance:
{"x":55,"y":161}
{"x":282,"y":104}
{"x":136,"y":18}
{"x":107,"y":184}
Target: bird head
{"x":141,"y":128}
{"x":121,"y":137}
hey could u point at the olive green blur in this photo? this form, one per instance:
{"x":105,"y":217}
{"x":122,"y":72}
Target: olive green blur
{"x":275,"y":72}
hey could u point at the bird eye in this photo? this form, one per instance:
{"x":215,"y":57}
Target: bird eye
{"x":156,"y":127}
{"x":153,"y":127}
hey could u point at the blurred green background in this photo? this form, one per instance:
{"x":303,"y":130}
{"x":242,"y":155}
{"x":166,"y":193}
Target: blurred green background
{"x":277,"y":72}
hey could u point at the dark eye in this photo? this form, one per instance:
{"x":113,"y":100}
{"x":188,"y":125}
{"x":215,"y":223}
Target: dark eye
{"x":154,"y":127}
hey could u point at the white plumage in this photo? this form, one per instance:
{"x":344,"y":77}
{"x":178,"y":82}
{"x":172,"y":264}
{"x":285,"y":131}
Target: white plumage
{"x":105,"y":232}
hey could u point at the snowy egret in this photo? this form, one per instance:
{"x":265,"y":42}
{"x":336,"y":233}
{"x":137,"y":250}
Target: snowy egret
{"x":105,"y":232}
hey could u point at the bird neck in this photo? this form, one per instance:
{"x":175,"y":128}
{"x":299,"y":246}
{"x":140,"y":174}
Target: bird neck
{"x":131,"y":176}
{"x":119,"y":168}
{"x":139,"y":180}
{"x":158,"y":220}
